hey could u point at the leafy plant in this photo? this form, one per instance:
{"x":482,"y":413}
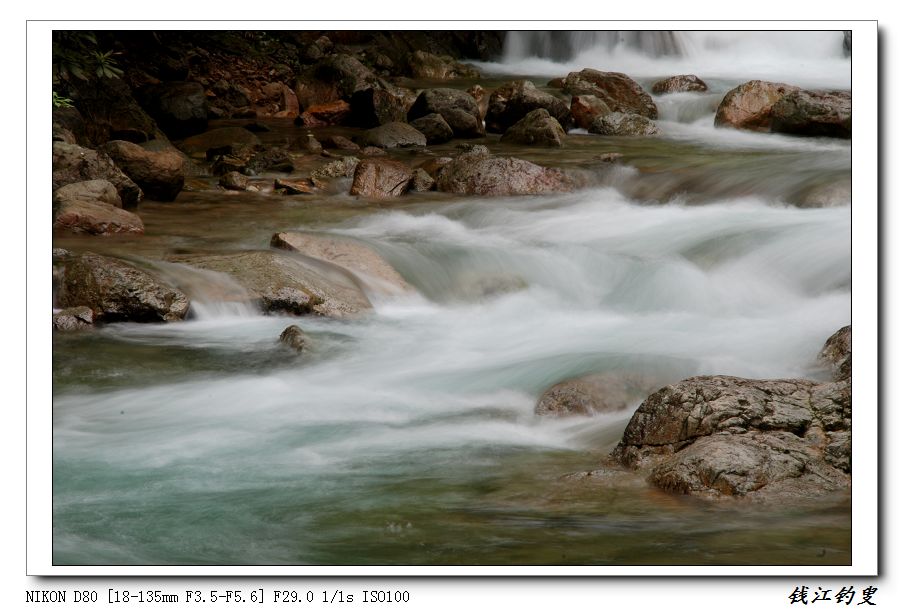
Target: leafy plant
{"x":76,"y":57}
{"x":61,"y":102}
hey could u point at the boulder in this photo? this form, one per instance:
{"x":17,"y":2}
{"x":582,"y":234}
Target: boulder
{"x":617,"y":90}
{"x":159,"y":174}
{"x":234,"y":180}
{"x":347,"y":74}
{"x":394,"y":135}
{"x":593,"y":394}
{"x":179,"y":107}
{"x":837,"y":353}
{"x":344,"y":252}
{"x":94,"y":217}
{"x":280,"y":282}
{"x":326,"y":114}
{"x":512,"y":101}
{"x":813,"y":113}
{"x":679,"y":83}
{"x":109,"y":111}
{"x":432,"y":166}
{"x":90,"y":190}
{"x":73,"y":163}
{"x":623,"y":124}
{"x":478,"y":173}
{"x":375,"y":106}
{"x":536,"y":128}
{"x":293,"y":337}
{"x":585,"y":108}
{"x":424,"y":65}
{"x":434,"y":128}
{"x":339,"y":142}
{"x":227,"y":137}
{"x":340,"y":168}
{"x":381,"y":178}
{"x":457,"y":108}
{"x":72,"y":319}
{"x":749,"y":106}
{"x":717,"y":436}
{"x":421,"y":181}
{"x":118,"y":291}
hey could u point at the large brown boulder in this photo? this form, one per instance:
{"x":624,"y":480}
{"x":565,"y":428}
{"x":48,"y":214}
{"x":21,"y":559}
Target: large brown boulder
{"x":479,"y":173}
{"x":279,"y":282}
{"x":536,"y":128}
{"x":617,"y":90}
{"x":179,"y":107}
{"x":623,"y":125}
{"x":73,"y":163}
{"x":95,"y":217}
{"x":381,"y":178}
{"x":749,"y":106}
{"x":585,"y":108}
{"x":159,"y":174}
{"x":679,"y":83}
{"x":356,"y":257}
{"x":118,"y":291}
{"x":424,"y":65}
{"x":459,"y":110}
{"x":394,"y":135}
{"x":813,"y":113}
{"x":512,"y":101}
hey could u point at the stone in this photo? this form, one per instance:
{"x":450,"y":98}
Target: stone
{"x":617,"y":90}
{"x":293,"y":337}
{"x":341,"y":168}
{"x":509,"y":103}
{"x":813,"y":113}
{"x":624,"y":125}
{"x":90,"y":190}
{"x":433,"y":165}
{"x":356,"y":257}
{"x":159,"y":174}
{"x":434,"y":128}
{"x":457,"y":108}
{"x":421,"y":181}
{"x":347,"y":74}
{"x":326,"y":114}
{"x":370,"y":151}
{"x":109,"y":111}
{"x":73,"y":163}
{"x":308,"y":144}
{"x":424,"y":65}
{"x":585,"y":108}
{"x":234,"y":180}
{"x":594,"y":394}
{"x":394,"y":135}
{"x":118,"y":291}
{"x":536,"y":128}
{"x":73,"y":319}
{"x":480,"y":95}
{"x":95,"y":218}
{"x":271,"y":159}
{"x":339,"y":142}
{"x":304,"y":186}
{"x":376,"y":106}
{"x":231,"y":137}
{"x":479,"y":173}
{"x":179,"y":107}
{"x":837,"y":353}
{"x":381,"y":178}
{"x":679,"y":83}
{"x":749,"y":106}
{"x":281,"y":283}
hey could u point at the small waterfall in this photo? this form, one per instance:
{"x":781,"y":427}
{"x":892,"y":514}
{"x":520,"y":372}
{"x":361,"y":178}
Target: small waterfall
{"x":561,"y":46}
{"x":213,"y":295}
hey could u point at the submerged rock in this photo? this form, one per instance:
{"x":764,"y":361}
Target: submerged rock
{"x":234,"y":180}
{"x":159,"y":174}
{"x":226,"y":137}
{"x":624,"y":125}
{"x":617,"y":90}
{"x":536,"y":128}
{"x":381,"y":178}
{"x":293,"y":337}
{"x":511,"y":102}
{"x":594,"y":393}
{"x":340,"y":143}
{"x":679,"y":83}
{"x":119,"y":291}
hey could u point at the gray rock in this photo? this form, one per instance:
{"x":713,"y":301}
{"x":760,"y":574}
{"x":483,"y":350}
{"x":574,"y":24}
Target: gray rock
{"x":73,"y":163}
{"x":679,"y":83}
{"x":509,"y":103}
{"x":617,"y":90}
{"x":381,"y":178}
{"x":293,"y":337}
{"x":458,"y":109}
{"x":90,"y":190}
{"x":424,"y":65}
{"x":479,"y":173}
{"x":536,"y":128}
{"x":394,"y":135}
{"x":595,"y":393}
{"x":624,"y":125}
{"x":585,"y":108}
{"x":340,"y":168}
{"x":234,"y":180}
{"x":434,"y":128}
{"x":813,"y":113}
{"x":73,"y":319}
{"x":421,"y":181}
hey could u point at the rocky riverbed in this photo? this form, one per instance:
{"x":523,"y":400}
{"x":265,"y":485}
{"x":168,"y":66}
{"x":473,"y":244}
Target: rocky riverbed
{"x":382,"y":299}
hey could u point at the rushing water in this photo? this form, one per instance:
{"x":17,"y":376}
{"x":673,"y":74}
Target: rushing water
{"x":408,"y":436}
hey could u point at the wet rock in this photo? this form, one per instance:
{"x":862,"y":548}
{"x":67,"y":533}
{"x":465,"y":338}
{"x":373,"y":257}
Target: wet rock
{"x":423,"y":65}
{"x":434,"y":128}
{"x":421,"y":181}
{"x":179,"y":107}
{"x":234,"y":180}
{"x":95,"y":218}
{"x":232,"y":137}
{"x":340,"y":168}
{"x":716,"y":436}
{"x":118,"y":291}
{"x":480,"y":95}
{"x":308,"y":144}
{"x":617,"y":90}
{"x":271,"y":159}
{"x":347,"y":74}
{"x":293,"y":337}
{"x":394,"y":135}
{"x":479,"y":173}
{"x":837,"y":353}
{"x":91,"y":190}
{"x":509,"y":103}
{"x":813,"y":113}
{"x":433,"y":165}
{"x":73,"y":163}
{"x":332,"y":113}
{"x":749,"y":106}
{"x":159,"y":174}
{"x":351,"y":255}
{"x":109,"y":111}
{"x":623,"y":124}
{"x":593,"y":394}
{"x":457,"y":108}
{"x":585,"y":108}
{"x":304,"y":186}
{"x":72,"y":319}
{"x":339,"y":142}
{"x":280,"y":282}
{"x":536,"y":128}
{"x":281,"y":97}
{"x":370,"y":151}
{"x":381,"y":178}
{"x":374,"y":107}
{"x":679,"y":83}
{"x":832,"y":194}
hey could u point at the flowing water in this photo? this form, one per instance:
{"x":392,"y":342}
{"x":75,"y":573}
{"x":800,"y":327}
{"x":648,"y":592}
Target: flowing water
{"x":408,"y":436}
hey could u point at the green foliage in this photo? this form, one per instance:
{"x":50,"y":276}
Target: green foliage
{"x":61,"y":101}
{"x":76,"y":57}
